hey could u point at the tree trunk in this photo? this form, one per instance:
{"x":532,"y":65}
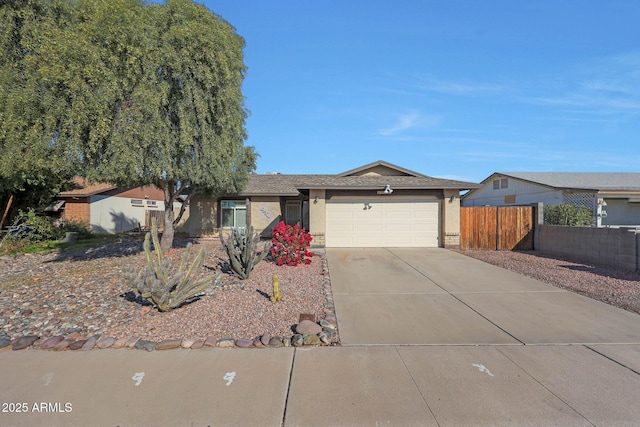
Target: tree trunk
{"x":183,"y":206}
{"x":6,"y":211}
{"x":166,"y":242}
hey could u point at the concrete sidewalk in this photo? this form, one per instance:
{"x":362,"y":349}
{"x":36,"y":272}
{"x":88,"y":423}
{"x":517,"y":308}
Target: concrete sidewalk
{"x":325,"y":386}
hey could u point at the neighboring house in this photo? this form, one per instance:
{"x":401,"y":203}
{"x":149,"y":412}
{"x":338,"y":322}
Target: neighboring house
{"x":375,"y":205}
{"x":106,"y":208}
{"x":613,"y":197}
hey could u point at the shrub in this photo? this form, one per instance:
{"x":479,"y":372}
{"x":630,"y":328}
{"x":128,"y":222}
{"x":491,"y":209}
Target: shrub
{"x":32,"y":227}
{"x":242,"y":248}
{"x":161,"y":287}
{"x":568,"y":214}
{"x":74,"y":226}
{"x":290,"y":245}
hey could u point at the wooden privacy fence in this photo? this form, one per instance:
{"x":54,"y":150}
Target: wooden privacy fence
{"x":502,"y":228}
{"x":158,"y":215}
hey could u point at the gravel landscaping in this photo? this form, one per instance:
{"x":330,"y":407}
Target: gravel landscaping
{"x":617,"y":287}
{"x":80,"y":294}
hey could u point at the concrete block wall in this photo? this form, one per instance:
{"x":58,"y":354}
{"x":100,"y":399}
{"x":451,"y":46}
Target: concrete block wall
{"x":615,"y":247}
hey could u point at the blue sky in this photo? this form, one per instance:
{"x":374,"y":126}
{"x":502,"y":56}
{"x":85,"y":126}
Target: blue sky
{"x":452,"y":89}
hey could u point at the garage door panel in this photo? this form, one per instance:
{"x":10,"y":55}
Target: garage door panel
{"x":369,"y":227}
{"x":399,"y":228}
{"x":387,"y":223}
{"x":424,"y":228}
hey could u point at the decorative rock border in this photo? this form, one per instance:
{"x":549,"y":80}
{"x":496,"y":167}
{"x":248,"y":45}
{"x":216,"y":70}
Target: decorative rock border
{"x":308,"y":333}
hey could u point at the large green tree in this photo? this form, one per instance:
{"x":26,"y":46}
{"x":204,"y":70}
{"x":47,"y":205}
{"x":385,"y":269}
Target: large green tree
{"x":32,"y":170}
{"x":137,"y":93}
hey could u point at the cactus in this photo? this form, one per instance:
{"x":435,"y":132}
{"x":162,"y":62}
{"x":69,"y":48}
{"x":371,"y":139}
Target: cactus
{"x":242,"y":248}
{"x":276,"y":291}
{"x":158,"y":285}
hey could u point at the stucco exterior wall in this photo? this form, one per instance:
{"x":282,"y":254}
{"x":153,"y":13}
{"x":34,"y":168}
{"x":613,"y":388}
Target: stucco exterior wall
{"x":317,"y":216}
{"x":517,"y":193}
{"x":117,"y":214}
{"x":199,"y":218}
{"x":450,"y":216}
{"x":266,"y":213}
{"x":621,"y":212}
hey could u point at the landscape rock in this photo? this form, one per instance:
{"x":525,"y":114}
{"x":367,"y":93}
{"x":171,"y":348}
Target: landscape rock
{"x":328,"y":332}
{"x":226,"y":343}
{"x":197,"y":345}
{"x":105,"y":342}
{"x":120,"y":343}
{"x":187,"y":343}
{"x":324,"y":338}
{"x":37,"y":343}
{"x":297,"y":340}
{"x":286,"y":341}
{"x":244,"y":343}
{"x":62,"y":345}
{"x":4,"y":342}
{"x":49,"y":343}
{"x":131,"y":342}
{"x":258,"y":343}
{"x":168,"y":344}
{"x":307,"y":327}
{"x":210,"y":342}
{"x":265,"y":339}
{"x":77,"y":345}
{"x":311,"y":340}
{"x":145,"y":345}
{"x":326,"y":324}
{"x":275,"y":342}
{"x":24,"y":342}
{"x":90,"y":343}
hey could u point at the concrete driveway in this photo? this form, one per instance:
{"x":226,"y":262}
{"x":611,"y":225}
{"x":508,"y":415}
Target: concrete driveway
{"x":434,"y":296}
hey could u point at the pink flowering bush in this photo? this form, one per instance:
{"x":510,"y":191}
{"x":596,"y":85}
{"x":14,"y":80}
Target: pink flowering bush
{"x":290,"y":245}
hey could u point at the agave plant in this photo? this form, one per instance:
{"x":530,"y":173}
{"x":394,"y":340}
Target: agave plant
{"x":242,"y":248}
{"x":159,"y":284}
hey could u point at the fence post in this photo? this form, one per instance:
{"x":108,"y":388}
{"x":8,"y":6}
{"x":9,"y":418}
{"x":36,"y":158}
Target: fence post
{"x":538,"y":220}
{"x":497,"y":228}
{"x":637,"y":232}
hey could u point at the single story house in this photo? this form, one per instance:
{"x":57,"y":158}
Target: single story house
{"x":106,"y":208}
{"x":375,"y":205}
{"x":613,"y":197}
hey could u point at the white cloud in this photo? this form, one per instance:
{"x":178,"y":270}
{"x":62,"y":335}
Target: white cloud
{"x":432,"y":83}
{"x":607,"y":86}
{"x":408,"y":121}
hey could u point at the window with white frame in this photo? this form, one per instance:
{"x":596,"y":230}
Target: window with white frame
{"x":233,"y":213}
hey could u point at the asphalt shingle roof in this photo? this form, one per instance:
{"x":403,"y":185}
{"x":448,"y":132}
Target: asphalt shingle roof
{"x":608,"y":181}
{"x":83,"y":188}
{"x":260,"y":184}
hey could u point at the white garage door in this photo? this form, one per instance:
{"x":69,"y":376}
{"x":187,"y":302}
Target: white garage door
{"x":382,"y":222}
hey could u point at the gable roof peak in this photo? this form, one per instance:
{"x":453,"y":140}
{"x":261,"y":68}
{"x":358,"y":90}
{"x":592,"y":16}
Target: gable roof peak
{"x":380,"y":165}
